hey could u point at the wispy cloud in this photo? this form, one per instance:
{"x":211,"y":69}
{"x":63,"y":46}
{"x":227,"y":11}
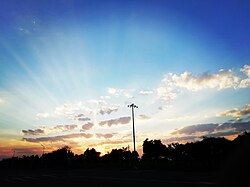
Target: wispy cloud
{"x":120,"y":92}
{"x":143,"y":117}
{"x":69,"y":110}
{"x":146,"y":92}
{"x":43,"y":115}
{"x":33,"y":132}
{"x":24,"y":30}
{"x":28,"y":27}
{"x":58,"y":138}
{"x":81,"y":110}
{"x":121,"y":120}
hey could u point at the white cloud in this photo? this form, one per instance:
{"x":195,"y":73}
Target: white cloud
{"x":97,"y":101}
{"x":105,"y":97}
{"x":94,"y":107}
{"x":146,"y":92}
{"x":166,"y":93}
{"x":245,"y":83}
{"x":68,"y":109}
{"x":220,"y":80}
{"x":112,"y":91}
{"x":246,"y":70}
{"x":43,"y":115}
{"x":172,"y":84}
{"x":120,"y":92}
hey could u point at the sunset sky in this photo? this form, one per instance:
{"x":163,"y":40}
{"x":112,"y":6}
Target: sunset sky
{"x":69,"y":69}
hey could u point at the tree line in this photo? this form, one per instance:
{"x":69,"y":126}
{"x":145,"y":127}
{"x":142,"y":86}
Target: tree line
{"x":209,"y":154}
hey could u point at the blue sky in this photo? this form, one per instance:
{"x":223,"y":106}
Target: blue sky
{"x":70,"y":68}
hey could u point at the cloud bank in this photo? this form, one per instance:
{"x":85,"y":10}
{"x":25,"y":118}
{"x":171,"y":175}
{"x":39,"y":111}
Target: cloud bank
{"x":196,"y":132}
{"x":212,"y":129}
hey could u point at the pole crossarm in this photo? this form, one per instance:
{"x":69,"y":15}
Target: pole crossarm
{"x":133,"y":106}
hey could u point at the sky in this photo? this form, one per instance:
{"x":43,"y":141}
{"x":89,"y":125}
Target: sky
{"x":70,"y":68}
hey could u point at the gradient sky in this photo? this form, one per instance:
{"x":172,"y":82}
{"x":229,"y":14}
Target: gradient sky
{"x":69,"y":68}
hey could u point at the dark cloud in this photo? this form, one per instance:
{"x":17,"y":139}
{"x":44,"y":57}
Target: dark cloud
{"x":84,"y":119}
{"x":121,"y":120}
{"x":58,"y":138}
{"x":81,"y":117}
{"x":65,"y":127}
{"x":33,"y":132}
{"x":109,"y":135}
{"x":87,"y":126}
{"x":196,"y":132}
{"x":237,"y":126}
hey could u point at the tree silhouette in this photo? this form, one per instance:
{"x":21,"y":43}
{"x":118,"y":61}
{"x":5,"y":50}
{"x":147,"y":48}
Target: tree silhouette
{"x":214,"y":154}
{"x":58,"y":158}
{"x":153,"y":150}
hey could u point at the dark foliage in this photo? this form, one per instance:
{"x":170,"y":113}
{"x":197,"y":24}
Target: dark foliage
{"x":209,"y":154}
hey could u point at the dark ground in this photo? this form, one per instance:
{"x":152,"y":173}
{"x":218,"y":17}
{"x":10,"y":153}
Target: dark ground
{"x":118,"y":178}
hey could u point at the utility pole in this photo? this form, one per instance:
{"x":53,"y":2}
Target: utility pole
{"x":133,"y":106}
